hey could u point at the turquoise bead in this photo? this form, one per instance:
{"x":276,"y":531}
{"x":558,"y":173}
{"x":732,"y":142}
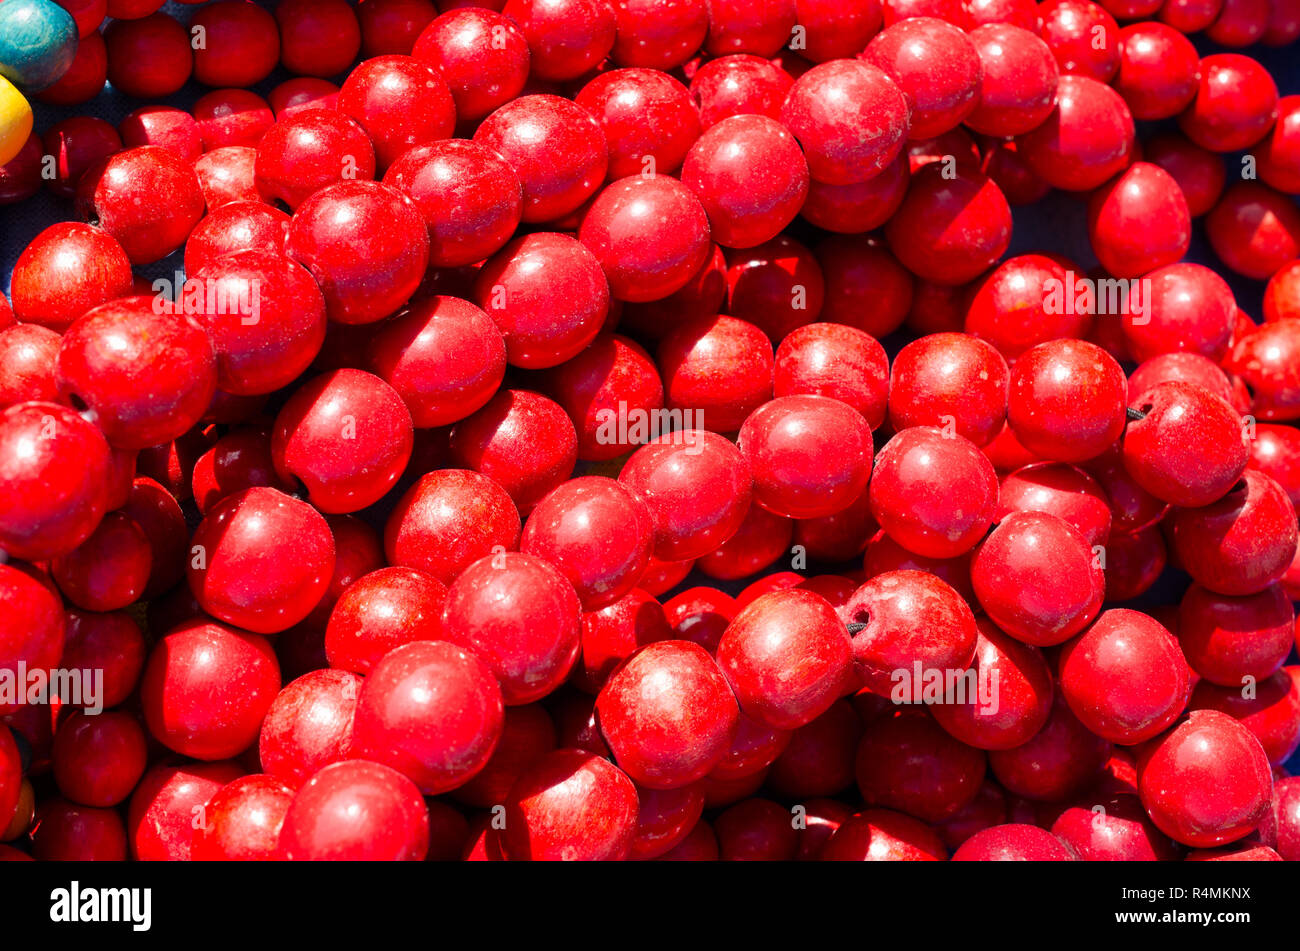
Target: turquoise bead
{"x":38,"y":41}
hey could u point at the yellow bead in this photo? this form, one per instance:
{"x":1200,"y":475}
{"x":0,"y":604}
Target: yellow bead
{"x":15,"y":121}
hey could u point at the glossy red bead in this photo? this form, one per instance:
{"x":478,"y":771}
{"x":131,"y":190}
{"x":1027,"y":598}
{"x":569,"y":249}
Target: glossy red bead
{"x":523,"y":619}
{"x":935,"y":495}
{"x":356,"y":810}
{"x":668,"y":714}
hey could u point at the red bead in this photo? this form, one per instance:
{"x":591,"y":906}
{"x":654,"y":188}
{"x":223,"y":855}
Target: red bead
{"x":1124,"y":677}
{"x":53,"y":467}
{"x":882,"y":835}
{"x":303,"y":153}
{"x":810,"y":455}
{"x":1235,"y":106}
{"x":1018,"y":89}
{"x":65,"y":271}
{"x":261,"y":560}
{"x":449,"y":519}
{"x":241,"y":44}
{"x":1066,"y":400}
{"x":66,"y":832}
{"x":431,"y":711}
{"x":1278,"y":156}
{"x":232,"y":117}
{"x":701,"y":615}
{"x":596,"y":532}
{"x":572,"y":806}
{"x":1241,"y":543}
{"x":148,"y":58}
{"x":648,"y":118}
{"x":1006,"y":700}
{"x":381,"y":611}
{"x":317,"y":37}
{"x":950,"y":229}
{"x":356,"y":810}
{"x":309,"y":725}
{"x":206,"y":689}
{"x":658,"y":34}
{"x":843,"y":363}
{"x":834,"y":29}
{"x":720,"y":368}
{"x":1185,"y":307}
{"x":1158,"y":70}
{"x":1189,"y":449}
{"x":818,"y":759}
{"x":163,"y":126}
{"x":650,"y":235}
{"x":667,"y":714}
{"x":737,"y":26}
{"x":698,"y":487}
{"x":1265,"y":359}
{"x":265,"y":315}
{"x":523,"y":619}
{"x":522,"y":440}
{"x":1014,"y":843}
{"x":1037,"y":578}
{"x":527,"y":735}
{"x":757,"y":655}
{"x":548,"y":296}
{"x":228,"y":175}
{"x":98,"y":759}
{"x":1207,"y":751}
{"x":937,"y":68}
{"x":1016,"y":306}
{"x":1115,"y":830}
{"x":777,"y":286}
{"x":1254,"y":230}
{"x":739,"y":85}
{"x":865,"y":286}
{"x":322,"y":235}
{"x":1057,"y":761}
{"x":346,"y":436}
{"x":751,"y":177}
{"x":910,"y":764}
{"x":299,"y":95}
{"x":916,"y":627}
{"x":949,"y":377}
{"x":21,"y":177}
{"x":1275,"y":451}
{"x":109,"y":569}
{"x":1139,"y":222}
{"x":556,"y":148}
{"x":1086,"y":140}
{"x":470,"y":198}
{"x":27,"y":356}
{"x":1200,"y":173}
{"x":482,"y":55}
{"x":146,"y":376}
{"x":1061,"y":490}
{"x":147,"y":198}
{"x":111,"y":643}
{"x":401,"y":102}
{"x":1084,"y":38}
{"x":830,"y":108}
{"x":566,"y":38}
{"x":936,"y":496}
{"x":613,"y":376}
{"x":242,"y":822}
{"x":612,"y":633}
{"x":1271,"y":711}
{"x":392,"y":26}
{"x":85,"y":78}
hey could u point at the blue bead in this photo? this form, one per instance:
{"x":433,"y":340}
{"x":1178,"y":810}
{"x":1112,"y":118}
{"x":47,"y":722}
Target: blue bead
{"x":38,"y":41}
